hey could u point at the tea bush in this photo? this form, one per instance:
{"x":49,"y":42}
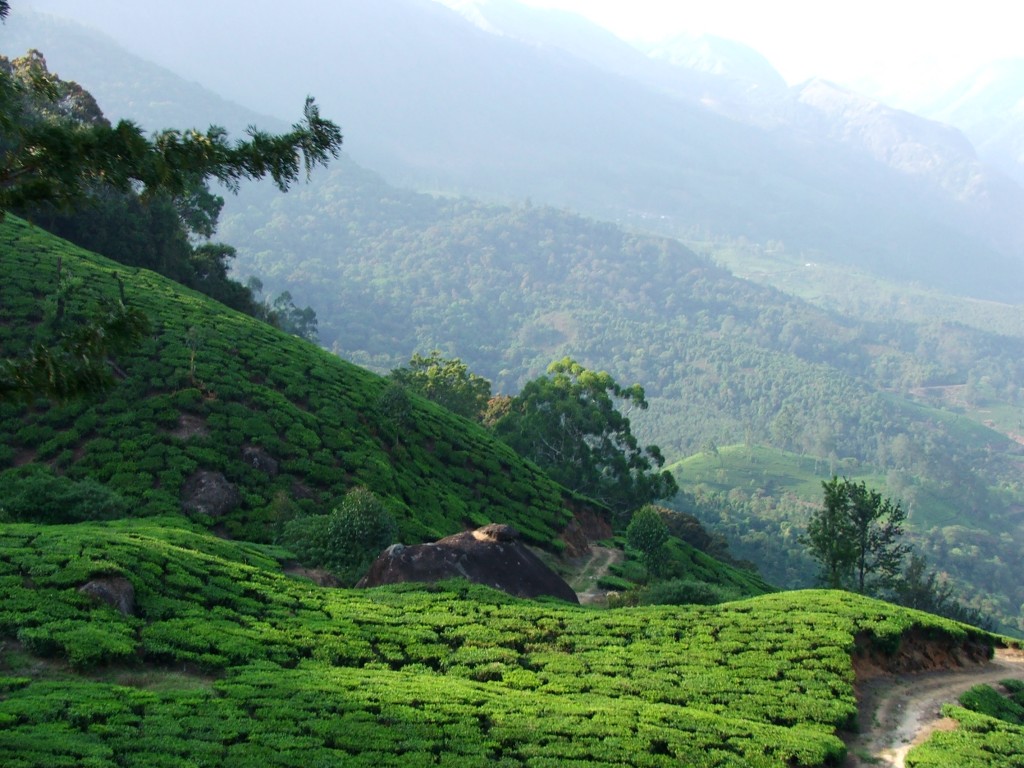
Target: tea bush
{"x":978,"y":741}
{"x":211,"y":381}
{"x":34,"y":494}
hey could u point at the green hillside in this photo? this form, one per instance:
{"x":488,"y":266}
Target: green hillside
{"x":760,"y":469}
{"x":739,"y":466}
{"x":288,"y":428}
{"x":212,"y":386}
{"x":225,"y":661}
{"x":151,"y":613}
{"x":760,"y":498}
{"x":833,"y":375}
{"x":856,"y":292}
{"x":219,"y":658}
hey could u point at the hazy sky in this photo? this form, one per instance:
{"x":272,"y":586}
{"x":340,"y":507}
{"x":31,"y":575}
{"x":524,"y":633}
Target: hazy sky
{"x":886,"y":46}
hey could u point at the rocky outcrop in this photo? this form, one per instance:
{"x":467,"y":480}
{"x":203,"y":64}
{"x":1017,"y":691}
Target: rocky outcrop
{"x":209,"y":493}
{"x":917,"y":651}
{"x":319,"y":576}
{"x":493,"y":555}
{"x":115,"y":591}
{"x":190,"y":426}
{"x":260,"y":460}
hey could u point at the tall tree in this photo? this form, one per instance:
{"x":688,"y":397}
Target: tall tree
{"x":569,"y":422}
{"x":829,"y":537}
{"x":56,"y":147}
{"x":856,"y":537}
{"x":877,"y":524}
{"x":282,"y":313}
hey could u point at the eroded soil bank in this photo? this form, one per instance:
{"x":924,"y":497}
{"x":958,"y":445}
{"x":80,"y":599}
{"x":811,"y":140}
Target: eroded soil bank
{"x":900,"y":695}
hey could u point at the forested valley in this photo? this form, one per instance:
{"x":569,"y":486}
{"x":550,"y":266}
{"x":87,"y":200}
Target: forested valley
{"x":724,"y":361}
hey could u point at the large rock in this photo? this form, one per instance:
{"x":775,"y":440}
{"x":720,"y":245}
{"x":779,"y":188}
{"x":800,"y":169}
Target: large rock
{"x":587,"y":525}
{"x":492,"y":555}
{"x":115,"y":591}
{"x":209,"y":493}
{"x":260,"y":460}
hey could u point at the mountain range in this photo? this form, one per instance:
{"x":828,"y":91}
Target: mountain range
{"x":519,"y":103}
{"x":989,"y":108}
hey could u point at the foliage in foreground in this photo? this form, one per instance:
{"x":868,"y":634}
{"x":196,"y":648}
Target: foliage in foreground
{"x":49,"y":154}
{"x":407,"y":675}
{"x":979,"y":741}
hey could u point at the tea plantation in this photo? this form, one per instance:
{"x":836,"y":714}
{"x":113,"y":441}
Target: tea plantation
{"x":221,"y":659}
{"x":227,"y":661}
{"x":989,"y":732}
{"x":213,"y":386}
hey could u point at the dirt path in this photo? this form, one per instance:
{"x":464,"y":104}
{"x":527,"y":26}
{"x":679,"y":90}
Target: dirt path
{"x":585,"y":582}
{"x":903,"y":710}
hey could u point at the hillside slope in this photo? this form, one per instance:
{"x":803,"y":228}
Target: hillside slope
{"x":245,"y":429}
{"x":723,"y":360}
{"x":282,"y":427}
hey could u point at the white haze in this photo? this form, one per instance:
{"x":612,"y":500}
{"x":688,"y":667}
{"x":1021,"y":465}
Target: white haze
{"x":903,"y":52}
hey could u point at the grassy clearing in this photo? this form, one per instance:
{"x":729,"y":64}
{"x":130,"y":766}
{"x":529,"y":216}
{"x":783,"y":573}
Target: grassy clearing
{"x":751,"y":468}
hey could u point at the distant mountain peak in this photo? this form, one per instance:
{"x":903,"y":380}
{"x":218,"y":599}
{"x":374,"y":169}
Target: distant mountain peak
{"x":988,"y":107}
{"x":717,"y":56}
{"x":863,"y":113}
{"x":473,"y":11}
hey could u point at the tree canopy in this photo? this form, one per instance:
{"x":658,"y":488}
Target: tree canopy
{"x":58,"y":152}
{"x":648,"y":532}
{"x":448,"y":382}
{"x":569,"y":422}
{"x":54,"y":155}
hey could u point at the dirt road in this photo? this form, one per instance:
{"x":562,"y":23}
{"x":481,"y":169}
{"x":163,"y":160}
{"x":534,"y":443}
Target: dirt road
{"x":903,"y":710}
{"x":585,"y":581}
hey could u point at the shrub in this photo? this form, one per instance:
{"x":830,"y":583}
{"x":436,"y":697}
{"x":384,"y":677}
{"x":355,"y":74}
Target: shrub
{"x":34,"y":494}
{"x":684,"y":592}
{"x":648,"y":533}
{"x":348,"y":539}
{"x":359,"y":529}
{"x":988,"y":701}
